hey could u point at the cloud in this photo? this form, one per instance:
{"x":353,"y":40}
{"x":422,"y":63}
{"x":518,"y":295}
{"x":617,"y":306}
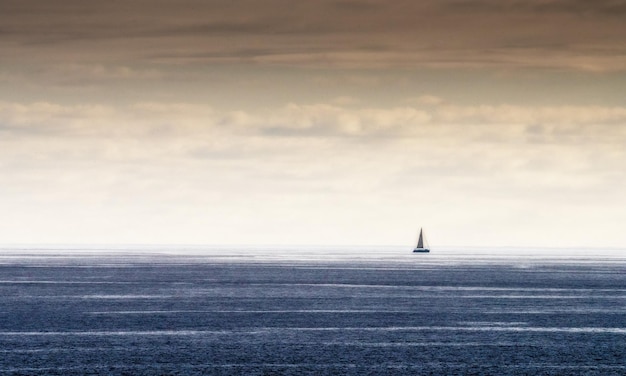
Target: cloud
{"x":189,"y":167}
{"x":318,"y":144}
{"x":515,"y":114}
{"x":577,"y":7}
{"x":342,"y":118}
{"x":80,"y":74}
{"x":427,"y":100}
{"x":571,"y":35}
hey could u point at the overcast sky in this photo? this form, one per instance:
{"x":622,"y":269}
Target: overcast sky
{"x":493,"y":122}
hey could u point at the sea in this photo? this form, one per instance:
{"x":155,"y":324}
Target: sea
{"x":195,"y":310}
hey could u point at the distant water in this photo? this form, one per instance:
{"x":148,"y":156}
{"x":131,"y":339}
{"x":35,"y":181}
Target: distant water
{"x":258,"y":311}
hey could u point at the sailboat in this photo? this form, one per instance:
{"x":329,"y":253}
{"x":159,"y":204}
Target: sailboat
{"x":422,"y":244}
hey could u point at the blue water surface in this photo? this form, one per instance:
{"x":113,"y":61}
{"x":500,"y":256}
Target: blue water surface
{"x":261,"y":311}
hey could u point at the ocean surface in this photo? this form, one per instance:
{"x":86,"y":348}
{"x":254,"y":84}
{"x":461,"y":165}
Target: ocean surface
{"x":322,"y":311}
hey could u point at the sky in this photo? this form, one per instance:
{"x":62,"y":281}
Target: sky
{"x":328,"y":122}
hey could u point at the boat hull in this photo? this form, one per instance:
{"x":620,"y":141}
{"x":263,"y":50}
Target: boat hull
{"x":421,"y":250}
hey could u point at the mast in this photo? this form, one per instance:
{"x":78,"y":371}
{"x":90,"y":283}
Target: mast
{"x":420,"y":242}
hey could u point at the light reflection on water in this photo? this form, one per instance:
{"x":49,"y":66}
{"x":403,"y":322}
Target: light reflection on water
{"x":265,"y":330}
{"x":391,"y":256}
